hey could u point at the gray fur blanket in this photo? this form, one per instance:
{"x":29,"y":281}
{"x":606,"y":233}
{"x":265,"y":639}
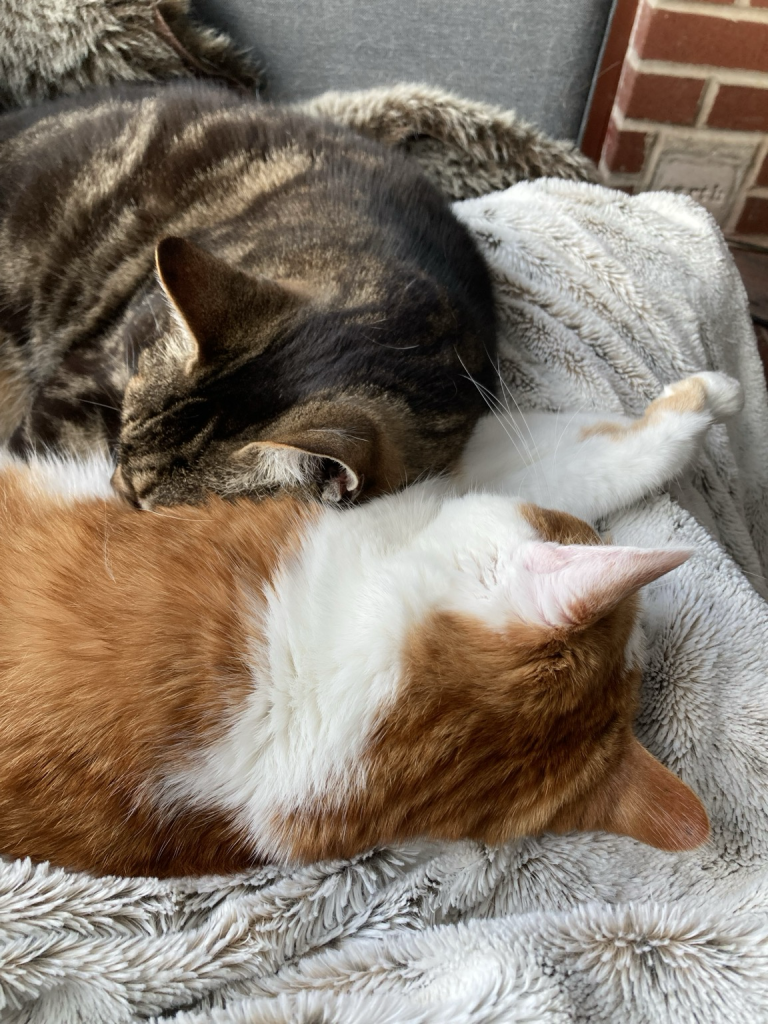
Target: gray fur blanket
{"x":59,"y":47}
{"x":603,"y":299}
{"x":51,"y":48}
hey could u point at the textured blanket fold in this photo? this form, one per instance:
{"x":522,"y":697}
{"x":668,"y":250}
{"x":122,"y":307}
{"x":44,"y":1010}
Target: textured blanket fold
{"x":50,"y":48}
{"x":465,"y":148}
{"x":603,"y":299}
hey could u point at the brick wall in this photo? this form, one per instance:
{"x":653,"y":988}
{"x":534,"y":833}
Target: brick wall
{"x":690,"y":106}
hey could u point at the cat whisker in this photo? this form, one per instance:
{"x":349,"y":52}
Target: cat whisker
{"x":397,"y":348}
{"x":504,"y":423}
{"x":505,"y":417}
{"x":102,"y":405}
{"x":183,"y":519}
{"x":506,"y":412}
{"x":505,"y":388}
{"x":755,"y":576}
{"x":565,"y":430}
{"x":339,"y":431}
{"x":532,"y":456}
{"x":498,"y":410}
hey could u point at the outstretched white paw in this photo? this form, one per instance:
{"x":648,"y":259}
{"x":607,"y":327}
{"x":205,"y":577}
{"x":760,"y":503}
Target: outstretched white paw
{"x":715,"y":393}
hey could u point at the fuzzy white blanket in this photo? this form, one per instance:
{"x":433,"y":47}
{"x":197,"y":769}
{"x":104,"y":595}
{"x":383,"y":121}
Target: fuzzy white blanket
{"x":603,"y":299}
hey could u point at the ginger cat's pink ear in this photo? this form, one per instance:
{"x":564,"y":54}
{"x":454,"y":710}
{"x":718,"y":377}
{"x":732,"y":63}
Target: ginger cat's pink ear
{"x":652,"y":805}
{"x":575,"y":584}
{"x":216,"y":302}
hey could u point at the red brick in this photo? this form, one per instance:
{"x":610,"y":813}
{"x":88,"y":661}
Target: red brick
{"x":607,"y":77}
{"x":760,"y":3}
{"x":624,"y":151}
{"x":762,"y":174}
{"x":659,"y":97}
{"x":702,"y":39}
{"x":741,"y":108}
{"x":754,"y":217}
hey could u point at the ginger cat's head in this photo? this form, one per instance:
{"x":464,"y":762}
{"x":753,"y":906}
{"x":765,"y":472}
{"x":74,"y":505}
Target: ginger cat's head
{"x":517,"y":685}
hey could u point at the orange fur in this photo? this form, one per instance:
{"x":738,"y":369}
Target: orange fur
{"x":123,"y":651}
{"x":491,"y":734}
{"x":121,"y":645}
{"x":689,"y":395}
{"x":559,"y":527}
{"x":499,"y":734}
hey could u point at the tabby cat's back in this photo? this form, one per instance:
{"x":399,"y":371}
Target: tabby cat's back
{"x":312,"y":319}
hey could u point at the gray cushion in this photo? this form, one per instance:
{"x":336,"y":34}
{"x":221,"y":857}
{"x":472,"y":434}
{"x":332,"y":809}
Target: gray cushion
{"x":536,"y":56}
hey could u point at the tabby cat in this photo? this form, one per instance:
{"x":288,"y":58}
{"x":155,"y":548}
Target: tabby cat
{"x":198,"y":690}
{"x":233,"y":298}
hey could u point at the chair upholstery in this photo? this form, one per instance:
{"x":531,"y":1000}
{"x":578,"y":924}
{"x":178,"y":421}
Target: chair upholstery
{"x":536,"y":56}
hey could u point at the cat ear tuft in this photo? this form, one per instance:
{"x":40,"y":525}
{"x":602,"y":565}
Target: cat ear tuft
{"x":575,"y":584}
{"x":273,"y":464}
{"x":216,"y":303}
{"x":652,"y":805}
{"x":337,"y":481}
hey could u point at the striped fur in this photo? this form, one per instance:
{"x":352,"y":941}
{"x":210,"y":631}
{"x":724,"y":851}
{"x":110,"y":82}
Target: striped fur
{"x":311,"y":289}
{"x":52,"y":48}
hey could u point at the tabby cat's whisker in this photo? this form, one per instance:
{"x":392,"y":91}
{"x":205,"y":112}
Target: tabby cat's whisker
{"x":397,"y":348}
{"x":102,"y":405}
{"x":505,"y":424}
{"x":509,"y":416}
{"x":505,"y":417}
{"x":340,"y":432}
{"x":505,"y":388}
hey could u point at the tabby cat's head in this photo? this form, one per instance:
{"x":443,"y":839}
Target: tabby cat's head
{"x":261,"y":384}
{"x":212,"y":407}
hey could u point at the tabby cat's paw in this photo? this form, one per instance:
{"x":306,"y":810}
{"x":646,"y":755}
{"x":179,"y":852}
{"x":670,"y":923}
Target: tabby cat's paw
{"x":719,"y":395}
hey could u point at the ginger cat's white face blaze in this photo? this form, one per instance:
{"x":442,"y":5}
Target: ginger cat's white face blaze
{"x":199,"y":690}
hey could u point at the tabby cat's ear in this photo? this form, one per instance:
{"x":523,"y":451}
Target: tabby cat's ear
{"x":575,"y":584}
{"x":215,"y":302}
{"x":307,"y":463}
{"x":651,"y":804}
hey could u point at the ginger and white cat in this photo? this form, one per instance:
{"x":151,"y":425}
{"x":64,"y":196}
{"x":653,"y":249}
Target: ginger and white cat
{"x":199,"y":689}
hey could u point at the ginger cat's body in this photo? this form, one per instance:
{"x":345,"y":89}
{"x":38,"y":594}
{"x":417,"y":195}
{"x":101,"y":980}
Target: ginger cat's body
{"x":199,"y":689}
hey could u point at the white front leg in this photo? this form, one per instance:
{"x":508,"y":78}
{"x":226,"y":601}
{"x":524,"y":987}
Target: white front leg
{"x":591,"y":466}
